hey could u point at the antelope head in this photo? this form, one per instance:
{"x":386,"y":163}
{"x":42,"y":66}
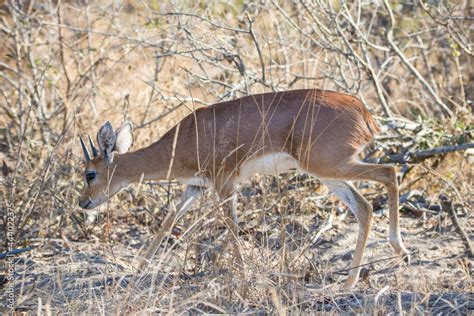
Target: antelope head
{"x":100,"y":176}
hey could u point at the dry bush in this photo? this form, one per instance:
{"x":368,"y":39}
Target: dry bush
{"x":67,"y":66}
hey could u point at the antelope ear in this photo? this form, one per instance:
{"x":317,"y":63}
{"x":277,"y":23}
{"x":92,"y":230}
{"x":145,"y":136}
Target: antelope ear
{"x":106,"y":139}
{"x":124,"y":137}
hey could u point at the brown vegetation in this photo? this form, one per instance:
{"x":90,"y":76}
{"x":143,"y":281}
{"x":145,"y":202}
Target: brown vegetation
{"x":67,"y":66}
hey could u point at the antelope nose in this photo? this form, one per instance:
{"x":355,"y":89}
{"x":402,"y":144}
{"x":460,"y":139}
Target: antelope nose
{"x":85,"y":203}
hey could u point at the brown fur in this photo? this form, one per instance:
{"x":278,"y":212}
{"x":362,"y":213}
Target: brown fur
{"x":308,"y":124}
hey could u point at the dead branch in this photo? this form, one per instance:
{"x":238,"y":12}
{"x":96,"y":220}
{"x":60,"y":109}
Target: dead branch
{"x":418,"y":156}
{"x":407,"y":63}
{"x":257,"y":46}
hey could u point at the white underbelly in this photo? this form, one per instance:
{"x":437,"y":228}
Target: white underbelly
{"x":272,"y":164}
{"x":196,"y":181}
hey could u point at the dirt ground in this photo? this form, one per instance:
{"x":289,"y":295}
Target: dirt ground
{"x":192,"y":273}
{"x":68,"y":66}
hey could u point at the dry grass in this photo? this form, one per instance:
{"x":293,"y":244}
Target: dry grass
{"x":64,"y":69}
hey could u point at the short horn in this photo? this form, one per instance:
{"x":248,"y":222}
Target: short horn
{"x":84,"y":149}
{"x":94,"y":150}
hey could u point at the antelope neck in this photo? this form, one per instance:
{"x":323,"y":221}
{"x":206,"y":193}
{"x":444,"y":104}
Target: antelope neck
{"x":144,"y":163}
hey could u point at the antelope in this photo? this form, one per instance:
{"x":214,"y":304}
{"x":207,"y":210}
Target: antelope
{"x":315,"y":131}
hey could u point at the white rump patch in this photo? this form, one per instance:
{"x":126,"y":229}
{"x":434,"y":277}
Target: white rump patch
{"x":272,"y":164}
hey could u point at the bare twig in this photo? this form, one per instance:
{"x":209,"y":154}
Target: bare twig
{"x":257,"y":46}
{"x":61,"y":50}
{"x":409,"y":65}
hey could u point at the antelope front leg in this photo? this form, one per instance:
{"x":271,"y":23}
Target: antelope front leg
{"x":230,"y":219}
{"x":190,"y":195}
{"x":188,"y":198}
{"x":227,"y":193}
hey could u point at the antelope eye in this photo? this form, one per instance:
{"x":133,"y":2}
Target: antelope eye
{"x":90,"y":176}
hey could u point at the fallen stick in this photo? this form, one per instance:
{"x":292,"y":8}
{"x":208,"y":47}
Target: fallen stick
{"x":418,"y":156}
{"x":447,"y":205}
{"x":423,"y":154}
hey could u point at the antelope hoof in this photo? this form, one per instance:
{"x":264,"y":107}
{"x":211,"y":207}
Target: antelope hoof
{"x":400,"y":250}
{"x":406,"y":257}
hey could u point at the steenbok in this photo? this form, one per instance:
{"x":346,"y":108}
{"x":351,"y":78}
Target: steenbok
{"x":317,"y":132}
